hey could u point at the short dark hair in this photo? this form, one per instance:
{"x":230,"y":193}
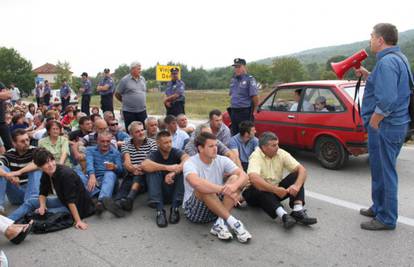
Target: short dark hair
{"x":41,"y":156}
{"x":17,"y":133}
{"x":169,"y":119}
{"x":162,"y":133}
{"x":202,"y":138}
{"x":266,"y":137}
{"x":214,"y":112}
{"x":50,"y":124}
{"x":83,"y":119}
{"x":95,"y":116}
{"x":388,"y":32}
{"x":245,"y":127}
{"x":298,"y":91}
{"x":17,"y":117}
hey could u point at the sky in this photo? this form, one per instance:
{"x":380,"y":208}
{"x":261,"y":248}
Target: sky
{"x":93,"y":35}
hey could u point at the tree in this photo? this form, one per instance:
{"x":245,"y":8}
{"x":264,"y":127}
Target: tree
{"x":262,"y":73}
{"x":120,"y":72}
{"x":14,"y":68}
{"x":313,"y":71}
{"x":287,"y":69}
{"x":63,"y":73}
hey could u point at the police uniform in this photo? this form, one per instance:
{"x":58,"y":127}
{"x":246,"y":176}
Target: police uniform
{"x":86,"y":95}
{"x":176,"y":87}
{"x":242,"y":89}
{"x":107,"y":101}
{"x":64,"y":91}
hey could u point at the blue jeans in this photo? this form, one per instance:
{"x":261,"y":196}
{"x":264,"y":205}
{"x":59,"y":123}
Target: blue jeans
{"x":18,"y":194}
{"x":384,"y":146}
{"x":53,"y":205}
{"x":161,"y":193}
{"x":104,"y":184}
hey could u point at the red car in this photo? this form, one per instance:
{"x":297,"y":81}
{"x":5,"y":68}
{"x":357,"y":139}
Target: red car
{"x":315,"y":116}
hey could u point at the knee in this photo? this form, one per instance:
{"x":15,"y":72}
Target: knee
{"x":110,"y":176}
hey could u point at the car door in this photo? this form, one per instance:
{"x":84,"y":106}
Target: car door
{"x":318,"y":119}
{"x":275,"y":115}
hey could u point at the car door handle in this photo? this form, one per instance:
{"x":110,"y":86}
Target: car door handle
{"x":291,"y":116}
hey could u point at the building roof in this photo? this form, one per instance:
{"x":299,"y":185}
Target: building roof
{"x":46,"y":69}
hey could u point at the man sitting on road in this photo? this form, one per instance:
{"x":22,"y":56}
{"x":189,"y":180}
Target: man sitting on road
{"x":163,"y":169}
{"x":103,"y":165}
{"x":134,"y":151}
{"x":268,"y":187}
{"x":184,"y":125}
{"x":206,"y":195}
{"x":220,"y":130}
{"x":151,"y":126}
{"x":222,"y":150}
{"x":179,"y":137}
{"x":19,"y":176}
{"x":61,"y":190}
{"x":244,"y":143}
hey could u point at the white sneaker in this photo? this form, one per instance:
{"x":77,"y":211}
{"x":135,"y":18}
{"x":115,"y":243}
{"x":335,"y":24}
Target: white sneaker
{"x":221,"y":231}
{"x":242,"y":234}
{"x":3,"y":259}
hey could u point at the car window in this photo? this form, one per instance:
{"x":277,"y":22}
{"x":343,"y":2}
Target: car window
{"x":351,"y":92}
{"x":281,"y":100}
{"x":321,"y":100}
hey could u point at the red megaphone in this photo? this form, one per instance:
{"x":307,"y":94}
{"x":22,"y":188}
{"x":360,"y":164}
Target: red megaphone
{"x":354,"y":61}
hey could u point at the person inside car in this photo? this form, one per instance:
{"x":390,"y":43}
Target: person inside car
{"x":320,"y":104}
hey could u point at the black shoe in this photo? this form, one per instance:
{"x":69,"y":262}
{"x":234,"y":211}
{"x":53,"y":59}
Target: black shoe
{"x":22,"y":235}
{"x":367,"y":212}
{"x":161,"y":219}
{"x":127,"y":204}
{"x":113,"y":208}
{"x":375,"y":225}
{"x":288,"y":221}
{"x":174,"y":216}
{"x":99,"y":207}
{"x":303,"y":218}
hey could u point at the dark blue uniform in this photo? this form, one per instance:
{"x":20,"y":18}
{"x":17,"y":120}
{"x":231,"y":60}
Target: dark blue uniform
{"x":177,"y":106}
{"x":242,"y":89}
{"x":107,"y":101}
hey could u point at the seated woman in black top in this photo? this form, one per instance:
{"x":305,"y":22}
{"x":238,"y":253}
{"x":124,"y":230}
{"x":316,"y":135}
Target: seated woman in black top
{"x":65,"y":187}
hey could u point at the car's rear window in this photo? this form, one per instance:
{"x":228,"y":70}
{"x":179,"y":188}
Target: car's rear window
{"x":351,"y":92}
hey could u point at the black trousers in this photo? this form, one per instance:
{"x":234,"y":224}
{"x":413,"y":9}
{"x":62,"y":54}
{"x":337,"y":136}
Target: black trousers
{"x":46,"y":100}
{"x":176,"y":108}
{"x":238,"y":115}
{"x":134,"y":116}
{"x":269,"y":202}
{"x":107,"y":102}
{"x":5,"y":135}
{"x":65,"y":103}
{"x":86,"y":100}
{"x":38,"y":101}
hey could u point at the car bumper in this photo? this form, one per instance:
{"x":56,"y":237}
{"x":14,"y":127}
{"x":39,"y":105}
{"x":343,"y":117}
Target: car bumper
{"x":357,"y":148}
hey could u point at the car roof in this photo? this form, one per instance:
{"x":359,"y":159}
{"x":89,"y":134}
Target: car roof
{"x":338,"y":83}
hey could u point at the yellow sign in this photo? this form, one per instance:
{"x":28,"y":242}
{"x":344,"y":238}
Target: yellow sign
{"x":163,"y":73}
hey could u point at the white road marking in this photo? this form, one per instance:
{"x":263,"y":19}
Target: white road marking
{"x":351,"y":205}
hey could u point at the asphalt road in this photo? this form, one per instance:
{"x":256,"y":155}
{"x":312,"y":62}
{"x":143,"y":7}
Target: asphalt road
{"x":337,"y":240}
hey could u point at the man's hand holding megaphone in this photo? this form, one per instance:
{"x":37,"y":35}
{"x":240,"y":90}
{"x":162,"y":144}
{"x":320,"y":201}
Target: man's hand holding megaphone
{"x":361,"y":71}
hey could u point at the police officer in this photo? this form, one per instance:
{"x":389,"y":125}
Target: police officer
{"x":106,"y":89}
{"x":174,"y":94}
{"x":86,"y":91}
{"x":243,"y":93}
{"x":65,"y":94}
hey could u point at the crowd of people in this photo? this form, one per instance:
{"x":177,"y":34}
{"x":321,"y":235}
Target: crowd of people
{"x":85,"y":162}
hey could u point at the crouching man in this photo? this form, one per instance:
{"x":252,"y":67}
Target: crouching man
{"x":163,"y":169}
{"x":207,"y":198}
{"x":268,"y":187}
{"x":61,"y":190}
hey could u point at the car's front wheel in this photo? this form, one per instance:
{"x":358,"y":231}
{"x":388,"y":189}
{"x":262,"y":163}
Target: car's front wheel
{"x":331,"y":153}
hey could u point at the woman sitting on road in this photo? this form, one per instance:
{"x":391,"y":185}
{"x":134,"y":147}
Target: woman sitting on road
{"x":58,"y":145}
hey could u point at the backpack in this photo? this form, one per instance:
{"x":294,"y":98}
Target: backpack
{"x":49,"y":222}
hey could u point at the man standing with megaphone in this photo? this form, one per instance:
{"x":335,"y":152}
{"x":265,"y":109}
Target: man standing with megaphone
{"x":385,"y":114}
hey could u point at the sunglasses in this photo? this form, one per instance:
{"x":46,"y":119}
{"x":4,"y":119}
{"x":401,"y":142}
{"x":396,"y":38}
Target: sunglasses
{"x":113,"y":124}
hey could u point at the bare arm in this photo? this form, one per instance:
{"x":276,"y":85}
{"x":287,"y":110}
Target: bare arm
{"x":202,"y":185}
{"x":5,"y":95}
{"x":151,"y":166}
{"x":255,"y":101}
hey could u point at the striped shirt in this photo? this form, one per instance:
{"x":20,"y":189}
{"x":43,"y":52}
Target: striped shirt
{"x":140,"y":154}
{"x":12,"y":160}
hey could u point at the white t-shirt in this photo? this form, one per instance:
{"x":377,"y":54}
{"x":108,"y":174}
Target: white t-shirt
{"x":15,"y":94}
{"x":29,"y":116}
{"x":213,"y":172}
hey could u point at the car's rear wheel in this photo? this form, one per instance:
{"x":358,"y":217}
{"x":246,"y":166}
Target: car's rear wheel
{"x":331,"y":153}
